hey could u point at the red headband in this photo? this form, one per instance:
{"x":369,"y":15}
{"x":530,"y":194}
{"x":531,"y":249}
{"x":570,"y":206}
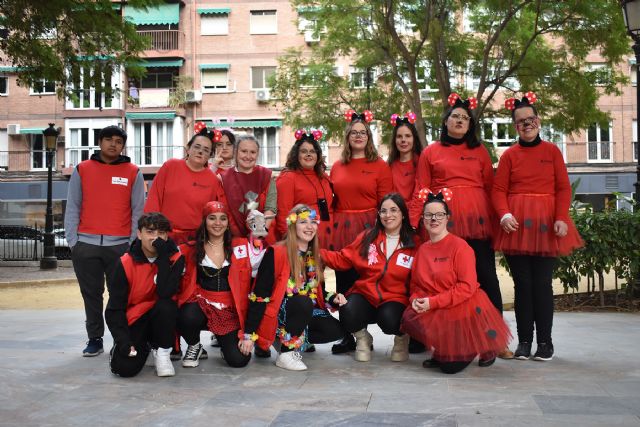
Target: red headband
{"x":351,"y":115}
{"x":455,"y":101}
{"x":214,"y":207}
{"x":529,"y":98}
{"x":302,"y":135}
{"x":444,"y":195}
{"x":200,"y":128}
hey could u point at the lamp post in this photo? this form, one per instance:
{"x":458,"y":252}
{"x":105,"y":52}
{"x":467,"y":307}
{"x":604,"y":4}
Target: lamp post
{"x":631,"y":12}
{"x":49,"y":260}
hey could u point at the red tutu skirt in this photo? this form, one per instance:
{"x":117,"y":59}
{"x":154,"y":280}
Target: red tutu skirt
{"x":472,"y":215}
{"x":460,"y":332}
{"x":535,"y":214}
{"x":220,"y":321}
{"x":348,"y":224}
{"x":325,"y":233}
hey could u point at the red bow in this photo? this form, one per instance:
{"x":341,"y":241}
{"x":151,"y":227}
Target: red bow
{"x":455,"y":101}
{"x":529,"y":98}
{"x":409,"y":117}
{"x":351,"y":115}
{"x":200,"y":128}
{"x":301,"y":135}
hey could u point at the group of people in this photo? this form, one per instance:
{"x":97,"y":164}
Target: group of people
{"x":411,"y":240}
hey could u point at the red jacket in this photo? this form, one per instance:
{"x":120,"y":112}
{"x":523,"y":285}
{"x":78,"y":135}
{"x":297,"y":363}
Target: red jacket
{"x":382,"y":281}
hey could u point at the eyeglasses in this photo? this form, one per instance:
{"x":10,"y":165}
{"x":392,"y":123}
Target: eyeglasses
{"x":389,"y":212}
{"x":198,"y":147}
{"x":438,"y":216}
{"x":355,"y":133}
{"x":526,"y":122}
{"x":462,"y":117}
{"x":304,"y":151}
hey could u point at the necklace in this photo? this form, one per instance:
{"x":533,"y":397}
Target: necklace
{"x":214,"y":245}
{"x":215,"y":275}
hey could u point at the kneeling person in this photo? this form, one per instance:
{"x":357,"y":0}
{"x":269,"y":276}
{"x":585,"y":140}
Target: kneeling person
{"x":141,"y":312}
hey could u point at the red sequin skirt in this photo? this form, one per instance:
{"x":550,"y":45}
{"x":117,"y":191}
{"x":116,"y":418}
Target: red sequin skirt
{"x":460,"y":332}
{"x":348,"y":224}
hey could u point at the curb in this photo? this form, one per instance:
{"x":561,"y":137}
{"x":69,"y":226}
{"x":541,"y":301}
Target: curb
{"x":47,"y":282}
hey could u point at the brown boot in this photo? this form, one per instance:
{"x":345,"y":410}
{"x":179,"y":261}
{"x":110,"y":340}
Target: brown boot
{"x":400,"y":351}
{"x":506,"y":354}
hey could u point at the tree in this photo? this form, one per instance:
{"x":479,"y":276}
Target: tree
{"x":54,"y":39}
{"x":417,"y":45}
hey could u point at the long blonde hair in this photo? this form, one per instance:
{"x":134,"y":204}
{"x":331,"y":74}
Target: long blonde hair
{"x":296,"y":264}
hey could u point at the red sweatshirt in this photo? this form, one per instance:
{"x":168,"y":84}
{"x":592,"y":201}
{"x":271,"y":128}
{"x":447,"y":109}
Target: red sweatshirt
{"x":450,"y":166}
{"x":404,"y":178}
{"x":532,"y":170}
{"x":180,"y":193}
{"x":382,"y":281}
{"x":360,"y":185}
{"x":300,"y":186}
{"x":445,"y":272}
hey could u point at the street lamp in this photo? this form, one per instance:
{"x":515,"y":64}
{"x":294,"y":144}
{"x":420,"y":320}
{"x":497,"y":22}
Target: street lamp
{"x":49,"y":260}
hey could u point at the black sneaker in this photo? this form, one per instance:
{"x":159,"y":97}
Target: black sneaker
{"x":486,"y":360}
{"x":347,"y":344}
{"x":310,"y":349}
{"x":94,"y":347}
{"x":204,"y":355}
{"x":263,"y":354}
{"x":431,"y":363}
{"x":544,"y":352}
{"x":523,"y":352}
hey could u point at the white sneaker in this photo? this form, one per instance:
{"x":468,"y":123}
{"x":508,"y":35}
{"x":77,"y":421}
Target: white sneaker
{"x":192,"y":356}
{"x":151,"y":358}
{"x":291,"y":360}
{"x":164,"y":367}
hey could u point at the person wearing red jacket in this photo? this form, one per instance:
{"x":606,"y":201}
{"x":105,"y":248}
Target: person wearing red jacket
{"x":360,"y":180}
{"x":289,"y":300}
{"x":531,"y":196}
{"x":460,"y":162}
{"x":304,"y":181}
{"x":382,"y":257}
{"x":448,"y":311}
{"x":404,"y":151}
{"x":183,"y":186}
{"x":214,"y":290}
{"x":142,"y":299}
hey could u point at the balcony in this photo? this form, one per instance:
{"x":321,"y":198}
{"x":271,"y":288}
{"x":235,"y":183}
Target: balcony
{"x":164,"y":43}
{"x":25,"y":161}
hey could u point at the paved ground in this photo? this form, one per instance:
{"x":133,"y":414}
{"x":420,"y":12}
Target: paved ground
{"x":593,"y":381}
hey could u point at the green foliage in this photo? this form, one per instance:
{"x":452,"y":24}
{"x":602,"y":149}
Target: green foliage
{"x":415,"y":44}
{"x":178,"y":95}
{"x":54,"y":39}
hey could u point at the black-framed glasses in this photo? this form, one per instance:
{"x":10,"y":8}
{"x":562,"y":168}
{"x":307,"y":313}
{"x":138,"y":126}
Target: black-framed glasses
{"x":438,"y":216}
{"x":462,"y":117}
{"x":355,"y":133}
{"x":526,"y":122}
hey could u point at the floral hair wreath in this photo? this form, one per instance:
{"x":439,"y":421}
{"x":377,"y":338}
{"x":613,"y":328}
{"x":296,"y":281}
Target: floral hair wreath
{"x":293,"y":217}
{"x":409,"y":117}
{"x":454,"y":100}
{"x":351,"y":115}
{"x":529,"y":98}
{"x":444,"y":195}
{"x":200,"y":128}
{"x":302,"y":135}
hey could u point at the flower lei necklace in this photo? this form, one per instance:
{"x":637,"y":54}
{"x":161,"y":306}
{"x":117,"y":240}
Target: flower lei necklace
{"x":308,"y":287}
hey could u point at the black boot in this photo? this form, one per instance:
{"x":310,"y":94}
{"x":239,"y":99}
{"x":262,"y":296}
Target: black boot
{"x":347,"y":344}
{"x":415,"y":346}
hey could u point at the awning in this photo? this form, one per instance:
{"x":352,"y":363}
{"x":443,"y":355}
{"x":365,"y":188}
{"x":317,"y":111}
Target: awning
{"x":157,"y":64}
{"x":213,"y":66}
{"x":157,"y":15}
{"x":307,"y":9}
{"x":246,"y":124}
{"x":632,"y":61}
{"x":8,"y":69}
{"x":214,"y":11}
{"x":33,"y":131}
{"x":161,"y":115}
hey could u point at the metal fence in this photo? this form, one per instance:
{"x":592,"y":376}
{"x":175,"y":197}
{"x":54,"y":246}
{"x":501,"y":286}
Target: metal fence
{"x":164,"y":40}
{"x":20,"y":242}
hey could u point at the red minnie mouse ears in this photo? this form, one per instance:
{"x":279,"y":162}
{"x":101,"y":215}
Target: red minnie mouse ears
{"x":409,"y":117}
{"x":200,"y":128}
{"x":529,"y":98}
{"x":455,"y":100}
{"x":426,"y":195}
{"x":351,"y":115}
{"x":301,"y":135}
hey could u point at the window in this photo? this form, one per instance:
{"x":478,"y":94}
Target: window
{"x":263,"y":22}
{"x":467,"y":26}
{"x":269,"y":150}
{"x":86,"y":96}
{"x":260,"y":77}
{"x":473,"y":76}
{"x":158,"y":80}
{"x":548,"y":133}
{"x":599,"y":143}
{"x":634,"y":138}
{"x":633,"y":72}
{"x":43,"y":87}
{"x":4,"y":86}
{"x":600,"y":71}
{"x":499,"y":132}
{"x":215,"y":80}
{"x":214,"y":25}
{"x":82,"y":143}
{"x":152,"y":143}
{"x":358,"y":77}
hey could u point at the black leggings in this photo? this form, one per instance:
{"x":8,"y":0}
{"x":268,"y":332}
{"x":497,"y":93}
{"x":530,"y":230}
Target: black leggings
{"x":486,"y":270}
{"x":191,"y":320}
{"x":156,"y":328}
{"x":357,"y":313}
{"x":345,"y":280}
{"x":299,"y":315}
{"x":532,"y":276}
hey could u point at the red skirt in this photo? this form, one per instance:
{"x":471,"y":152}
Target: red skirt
{"x":460,"y":332}
{"x":472,"y":215}
{"x":535,"y":214}
{"x":348,"y":224}
{"x":220,"y":321}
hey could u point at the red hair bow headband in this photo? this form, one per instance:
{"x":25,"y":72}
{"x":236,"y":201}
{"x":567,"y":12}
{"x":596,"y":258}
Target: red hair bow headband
{"x":200,"y":128}
{"x":529,"y":98}
{"x":302,"y":135}
{"x":409,"y":117}
{"x":444,"y":195}
{"x":455,"y":101}
{"x":351,"y":115}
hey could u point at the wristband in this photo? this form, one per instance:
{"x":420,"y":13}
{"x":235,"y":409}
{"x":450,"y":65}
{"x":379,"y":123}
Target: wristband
{"x":250,"y":337}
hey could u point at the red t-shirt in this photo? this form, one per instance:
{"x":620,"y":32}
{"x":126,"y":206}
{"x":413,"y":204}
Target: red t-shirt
{"x":360,"y":185}
{"x":404,"y":178}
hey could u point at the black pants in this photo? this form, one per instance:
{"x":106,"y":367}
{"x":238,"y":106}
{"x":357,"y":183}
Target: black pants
{"x":486,"y":270}
{"x":191,"y":320}
{"x":532,"y":276}
{"x":91,"y":264}
{"x":357,"y":313}
{"x":299,"y":315}
{"x":345,"y":279}
{"x":155,"y":328}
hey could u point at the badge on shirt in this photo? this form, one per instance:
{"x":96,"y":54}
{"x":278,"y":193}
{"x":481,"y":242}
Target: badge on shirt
{"x":404,"y":261}
{"x":240,"y":251}
{"x":118,"y":180}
